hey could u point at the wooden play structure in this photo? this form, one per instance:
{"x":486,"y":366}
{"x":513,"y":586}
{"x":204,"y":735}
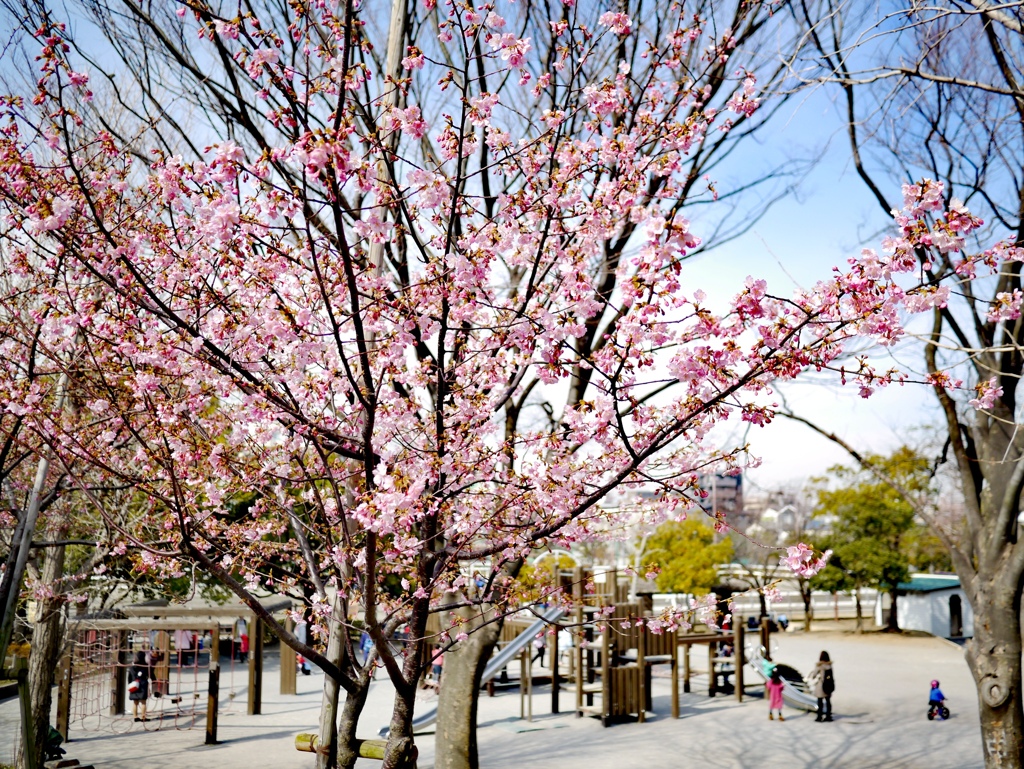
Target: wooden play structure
{"x":615,"y":652}
{"x":187,"y":682}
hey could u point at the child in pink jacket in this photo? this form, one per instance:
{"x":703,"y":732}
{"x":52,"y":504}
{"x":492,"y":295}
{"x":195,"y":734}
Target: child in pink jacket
{"x":774,"y":686}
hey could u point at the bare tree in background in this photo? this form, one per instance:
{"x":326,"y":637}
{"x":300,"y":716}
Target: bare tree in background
{"x":937,"y":90}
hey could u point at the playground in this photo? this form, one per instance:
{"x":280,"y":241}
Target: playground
{"x":880,"y":709}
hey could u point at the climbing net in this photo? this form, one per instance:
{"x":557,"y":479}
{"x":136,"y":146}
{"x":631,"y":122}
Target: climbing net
{"x":178,"y":674}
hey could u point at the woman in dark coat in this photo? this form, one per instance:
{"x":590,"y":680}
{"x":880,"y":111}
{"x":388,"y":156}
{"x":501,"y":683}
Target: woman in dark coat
{"x":138,"y":676}
{"x":824,"y":685}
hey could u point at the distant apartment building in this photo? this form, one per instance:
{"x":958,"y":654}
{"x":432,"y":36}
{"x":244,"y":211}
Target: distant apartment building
{"x":725,"y":496}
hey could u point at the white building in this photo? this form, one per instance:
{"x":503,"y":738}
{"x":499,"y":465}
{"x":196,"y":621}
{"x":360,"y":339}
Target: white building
{"x":934,"y":603}
{"x":784,"y":520}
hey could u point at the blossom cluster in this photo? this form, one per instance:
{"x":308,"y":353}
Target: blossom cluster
{"x":803,"y":561}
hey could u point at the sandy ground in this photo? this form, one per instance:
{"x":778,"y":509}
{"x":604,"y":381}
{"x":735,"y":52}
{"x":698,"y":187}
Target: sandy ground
{"x":880,"y":704}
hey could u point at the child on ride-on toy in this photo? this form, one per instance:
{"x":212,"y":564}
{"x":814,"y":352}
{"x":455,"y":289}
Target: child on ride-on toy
{"x":937,"y":703}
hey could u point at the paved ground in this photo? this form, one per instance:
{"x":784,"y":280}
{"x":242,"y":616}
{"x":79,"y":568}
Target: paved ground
{"x":880,"y":703}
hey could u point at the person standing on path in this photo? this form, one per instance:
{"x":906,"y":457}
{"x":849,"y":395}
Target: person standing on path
{"x":138,"y":685}
{"x":539,"y":646}
{"x":437,"y":668}
{"x":824,"y":685}
{"x":774,"y":686}
{"x":183,"y":644}
{"x":241,"y":629}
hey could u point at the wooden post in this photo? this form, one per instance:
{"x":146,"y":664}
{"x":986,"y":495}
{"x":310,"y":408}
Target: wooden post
{"x":255,"y":666}
{"x":212,"y":696}
{"x":739,"y":656}
{"x":641,"y":650}
{"x":118,"y":678}
{"x":522,"y":684}
{"x":553,"y":658}
{"x":64,"y":696}
{"x":686,"y":668}
{"x":712,"y":678}
{"x":606,"y":683}
{"x":528,"y":662}
{"x":28,"y":736}
{"x":766,"y":640}
{"x":288,"y":663}
{"x":162,"y":670}
{"x":213,"y":688}
{"x":578,"y":636}
{"x":674,"y":667}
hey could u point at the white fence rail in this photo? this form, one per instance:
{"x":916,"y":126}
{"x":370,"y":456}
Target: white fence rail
{"x":824,"y":605}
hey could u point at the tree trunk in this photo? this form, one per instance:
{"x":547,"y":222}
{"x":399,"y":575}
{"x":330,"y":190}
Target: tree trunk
{"x":892,"y":624}
{"x":455,"y":741}
{"x":327,"y":749}
{"x":337,"y":749}
{"x":401,"y":752}
{"x":994,"y":655}
{"x":349,"y":722}
{"x":808,"y":609}
{"x":47,"y":634}
{"x":455,"y":745}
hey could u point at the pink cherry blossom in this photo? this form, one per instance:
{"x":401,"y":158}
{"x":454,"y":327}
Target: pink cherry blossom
{"x":259,"y":59}
{"x":1005,"y":306}
{"x":414,"y":59}
{"x":802,"y":560}
{"x":988,"y":393}
{"x":619,"y":23}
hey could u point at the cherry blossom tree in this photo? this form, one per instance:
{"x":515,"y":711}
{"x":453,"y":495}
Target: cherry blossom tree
{"x":20,"y":495}
{"x":696,"y":54}
{"x":52,"y":537}
{"x":359,"y":328}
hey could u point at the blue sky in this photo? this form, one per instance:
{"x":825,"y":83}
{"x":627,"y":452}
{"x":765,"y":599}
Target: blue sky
{"x":798,"y":242}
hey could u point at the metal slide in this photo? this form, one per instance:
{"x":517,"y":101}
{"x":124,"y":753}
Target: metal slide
{"x":792,"y":692}
{"x":498,"y":662}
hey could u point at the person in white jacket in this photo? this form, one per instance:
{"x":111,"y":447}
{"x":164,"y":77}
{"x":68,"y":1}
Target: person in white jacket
{"x":824,"y":685}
